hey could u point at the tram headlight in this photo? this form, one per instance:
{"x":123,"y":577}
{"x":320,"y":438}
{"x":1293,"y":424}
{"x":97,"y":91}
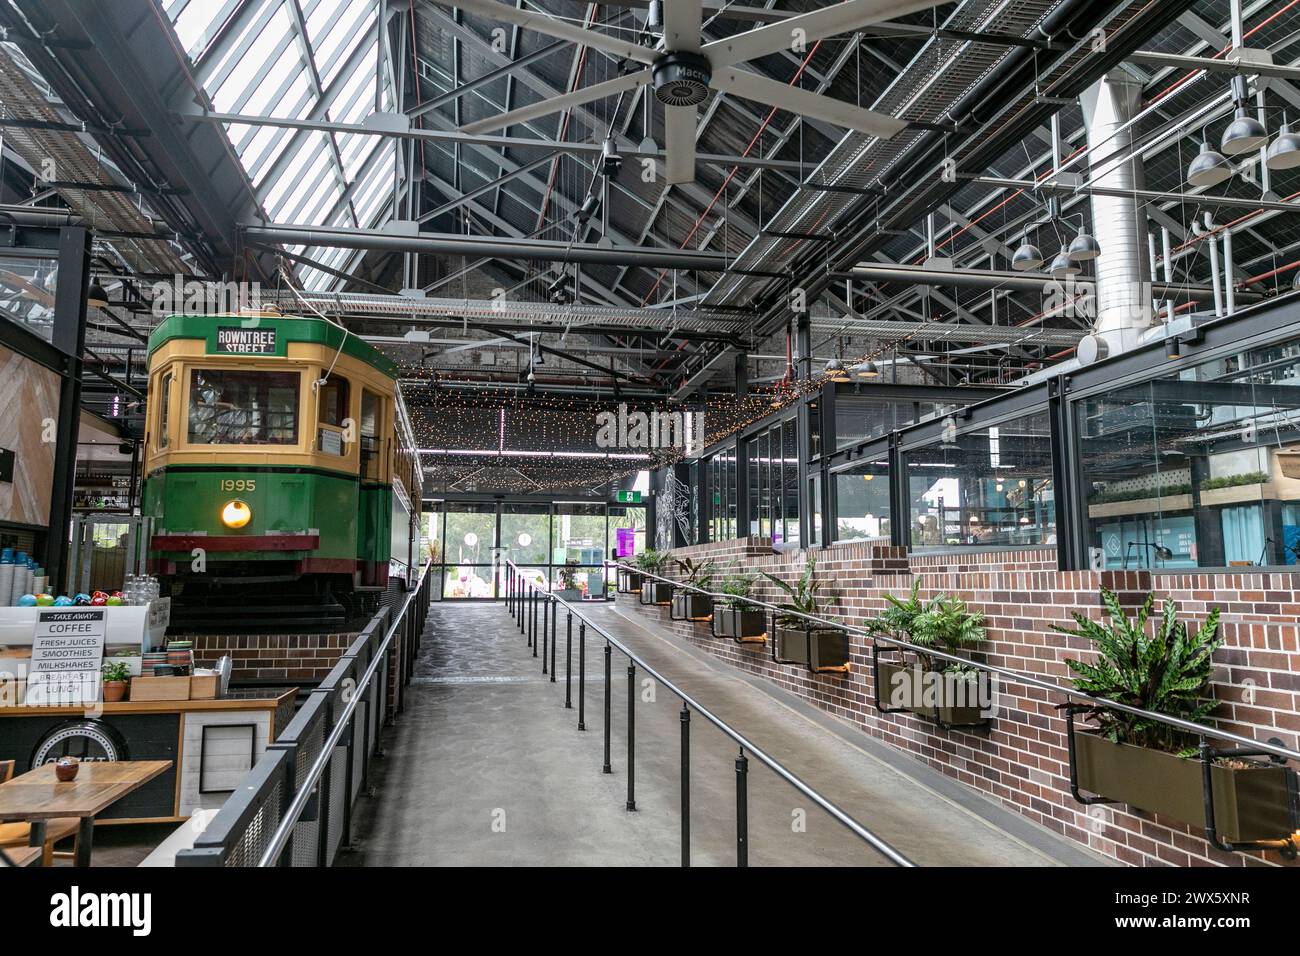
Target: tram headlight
{"x":236,"y":514}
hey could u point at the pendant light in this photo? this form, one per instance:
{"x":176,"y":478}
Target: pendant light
{"x":96,"y":295}
{"x":1063,"y":267}
{"x":1027,"y":258}
{"x":835,"y":371}
{"x":1284,"y":152}
{"x":1084,"y":246}
{"x":1244,"y":134}
{"x":866,"y":369}
{"x":1209,"y":168}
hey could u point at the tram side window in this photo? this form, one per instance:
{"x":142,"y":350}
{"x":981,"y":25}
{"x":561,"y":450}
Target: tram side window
{"x":370,"y":419}
{"x":164,"y":419}
{"x":237,"y":407}
{"x":332,"y":402}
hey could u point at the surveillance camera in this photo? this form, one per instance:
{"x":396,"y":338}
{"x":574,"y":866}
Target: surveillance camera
{"x":531,"y":377}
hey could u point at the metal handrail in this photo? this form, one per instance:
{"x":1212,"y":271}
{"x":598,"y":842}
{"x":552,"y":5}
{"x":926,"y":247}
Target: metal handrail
{"x":874,"y":841}
{"x":304,"y":788}
{"x":1014,"y":676}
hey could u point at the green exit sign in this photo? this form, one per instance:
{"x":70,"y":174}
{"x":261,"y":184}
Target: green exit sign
{"x":628,"y":497}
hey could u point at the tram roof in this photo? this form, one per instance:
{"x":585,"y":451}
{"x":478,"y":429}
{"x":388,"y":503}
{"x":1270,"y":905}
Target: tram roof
{"x":291,"y":328}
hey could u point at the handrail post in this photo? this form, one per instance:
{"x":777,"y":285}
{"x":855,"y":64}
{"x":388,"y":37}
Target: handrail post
{"x":686,"y":784}
{"x":568,"y":660}
{"x":607,"y":768}
{"x":555,"y":611}
{"x":582,"y":675}
{"x":519,"y":585}
{"x":546,"y":613}
{"x":631,"y":735}
{"x":742,"y":809}
{"x":510,"y":588}
{"x":537,"y":597}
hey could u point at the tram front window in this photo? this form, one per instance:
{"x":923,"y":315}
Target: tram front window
{"x":229,"y":407}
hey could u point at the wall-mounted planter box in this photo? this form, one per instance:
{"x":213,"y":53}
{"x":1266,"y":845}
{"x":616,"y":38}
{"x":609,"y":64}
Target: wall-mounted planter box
{"x":821,"y":650}
{"x":741,"y":625}
{"x":900,"y":687}
{"x":689,"y":606}
{"x":1140,"y":506}
{"x":629,"y":582}
{"x":656,"y":592}
{"x":1250,"y":805}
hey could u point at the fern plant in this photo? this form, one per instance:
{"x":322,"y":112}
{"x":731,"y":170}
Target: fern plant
{"x":943,"y":623}
{"x":804,"y":596}
{"x":652,"y":561}
{"x":1166,"y":672}
{"x":736,"y":585}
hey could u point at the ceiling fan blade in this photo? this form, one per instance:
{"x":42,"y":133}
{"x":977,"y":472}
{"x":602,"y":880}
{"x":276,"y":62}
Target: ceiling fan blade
{"x":561,"y":29}
{"x":555,"y":104}
{"x":683,"y":23}
{"x":679,"y":143}
{"x":760,"y":89}
{"x":816,"y":25}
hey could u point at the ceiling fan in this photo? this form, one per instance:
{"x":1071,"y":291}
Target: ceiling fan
{"x":682,"y":68}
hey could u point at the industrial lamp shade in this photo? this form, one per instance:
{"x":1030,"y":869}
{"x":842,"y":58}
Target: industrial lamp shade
{"x":1284,"y":152}
{"x":835,"y":371}
{"x":96,"y":295}
{"x":1243,"y":135}
{"x":866,"y":369}
{"x":1084,"y":246}
{"x":1063,"y":266}
{"x":1209,"y":168}
{"x":1027,"y":258}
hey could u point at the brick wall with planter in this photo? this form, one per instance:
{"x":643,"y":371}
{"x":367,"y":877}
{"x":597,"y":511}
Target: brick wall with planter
{"x":1022,"y":759}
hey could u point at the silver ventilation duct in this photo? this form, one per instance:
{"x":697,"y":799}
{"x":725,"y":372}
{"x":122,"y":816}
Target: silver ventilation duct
{"x":1123,"y":281}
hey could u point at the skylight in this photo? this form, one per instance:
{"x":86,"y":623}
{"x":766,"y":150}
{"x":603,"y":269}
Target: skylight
{"x":311,"y":60}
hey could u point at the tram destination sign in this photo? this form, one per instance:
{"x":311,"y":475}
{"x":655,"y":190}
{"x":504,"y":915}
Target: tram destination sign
{"x":240,"y":341}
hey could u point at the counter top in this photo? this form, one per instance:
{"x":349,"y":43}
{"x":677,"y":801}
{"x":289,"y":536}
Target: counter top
{"x":156,"y":706}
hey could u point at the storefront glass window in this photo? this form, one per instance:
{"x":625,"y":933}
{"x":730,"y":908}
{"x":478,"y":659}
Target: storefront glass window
{"x":862,"y":501}
{"x":991,"y":487}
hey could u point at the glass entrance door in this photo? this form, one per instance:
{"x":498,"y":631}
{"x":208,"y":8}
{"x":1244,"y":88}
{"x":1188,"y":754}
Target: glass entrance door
{"x":469,"y":550}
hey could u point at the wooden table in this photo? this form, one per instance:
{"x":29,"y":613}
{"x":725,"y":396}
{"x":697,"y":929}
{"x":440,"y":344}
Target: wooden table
{"x":37,"y":796}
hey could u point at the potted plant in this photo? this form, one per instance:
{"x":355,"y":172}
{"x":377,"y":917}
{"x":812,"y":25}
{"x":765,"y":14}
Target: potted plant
{"x":116,"y":677}
{"x":568,"y":589}
{"x":953,"y":695}
{"x":734,"y":617}
{"x":691,"y":605}
{"x":652,"y":591}
{"x":796,"y":640}
{"x":1150,"y":765}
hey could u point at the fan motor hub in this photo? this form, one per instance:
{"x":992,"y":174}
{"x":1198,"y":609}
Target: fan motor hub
{"x":682,"y":79}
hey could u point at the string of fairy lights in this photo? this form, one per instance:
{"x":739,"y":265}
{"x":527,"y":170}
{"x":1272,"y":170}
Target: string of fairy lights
{"x":470,"y":417}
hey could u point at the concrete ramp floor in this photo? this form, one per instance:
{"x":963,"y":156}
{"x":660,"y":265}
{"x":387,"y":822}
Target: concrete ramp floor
{"x":486,"y":767}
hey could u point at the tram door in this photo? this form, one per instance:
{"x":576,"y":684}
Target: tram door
{"x":373,"y":508}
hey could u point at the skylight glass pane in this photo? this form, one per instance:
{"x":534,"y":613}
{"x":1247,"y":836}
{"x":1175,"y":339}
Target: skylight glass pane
{"x":251,"y":64}
{"x":293,"y":171}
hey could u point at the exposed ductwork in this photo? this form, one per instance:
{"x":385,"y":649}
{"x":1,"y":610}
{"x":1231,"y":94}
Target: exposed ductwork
{"x":1124,"y":291}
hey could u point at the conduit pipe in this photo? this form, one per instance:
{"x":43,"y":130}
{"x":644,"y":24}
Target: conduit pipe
{"x":991,"y":279}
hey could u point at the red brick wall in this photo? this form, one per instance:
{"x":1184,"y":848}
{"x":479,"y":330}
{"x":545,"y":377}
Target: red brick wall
{"x":289,"y":657}
{"x":1022,"y":760}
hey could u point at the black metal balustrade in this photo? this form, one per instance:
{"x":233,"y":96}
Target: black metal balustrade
{"x":294,"y":808}
{"x":525,"y":600}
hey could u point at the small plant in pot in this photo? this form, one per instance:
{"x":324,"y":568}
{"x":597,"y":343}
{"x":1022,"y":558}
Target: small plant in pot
{"x":951,"y":694}
{"x":652,"y":591}
{"x":691,"y":605}
{"x":736,"y":618}
{"x":1151,"y":765}
{"x":568,"y":589}
{"x":117,"y":676}
{"x":796,"y":640}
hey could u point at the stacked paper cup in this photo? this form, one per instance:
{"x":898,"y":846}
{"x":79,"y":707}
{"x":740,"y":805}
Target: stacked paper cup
{"x":7,"y":567}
